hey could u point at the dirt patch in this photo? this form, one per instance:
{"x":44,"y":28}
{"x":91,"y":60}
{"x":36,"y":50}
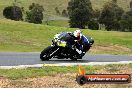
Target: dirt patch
{"x":112,"y":48}
{"x":63,"y":81}
{"x":6,"y":83}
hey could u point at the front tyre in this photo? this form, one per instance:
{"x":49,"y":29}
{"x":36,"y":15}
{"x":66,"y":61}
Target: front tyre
{"x":45,"y":54}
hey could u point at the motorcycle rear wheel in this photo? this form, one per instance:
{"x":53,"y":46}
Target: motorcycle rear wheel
{"x":75,"y":57}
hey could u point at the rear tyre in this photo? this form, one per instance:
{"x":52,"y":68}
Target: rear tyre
{"x":45,"y":54}
{"x":73,"y":55}
{"x":73,"y":58}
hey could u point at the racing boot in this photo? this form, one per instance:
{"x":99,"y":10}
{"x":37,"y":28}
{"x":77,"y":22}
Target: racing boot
{"x":79,"y":51}
{"x":83,"y":53}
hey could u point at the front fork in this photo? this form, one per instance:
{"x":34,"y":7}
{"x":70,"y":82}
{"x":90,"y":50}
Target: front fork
{"x":52,"y":54}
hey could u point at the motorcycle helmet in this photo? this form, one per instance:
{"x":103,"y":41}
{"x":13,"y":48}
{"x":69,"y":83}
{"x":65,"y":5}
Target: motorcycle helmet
{"x":77,"y":34}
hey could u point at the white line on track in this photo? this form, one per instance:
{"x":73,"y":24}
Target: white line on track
{"x":62,"y":64}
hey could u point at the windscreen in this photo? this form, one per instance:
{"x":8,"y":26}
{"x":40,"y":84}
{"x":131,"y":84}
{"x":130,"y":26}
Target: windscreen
{"x":64,"y":36}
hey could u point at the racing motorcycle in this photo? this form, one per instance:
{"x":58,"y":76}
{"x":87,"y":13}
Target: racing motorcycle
{"x":61,"y":49}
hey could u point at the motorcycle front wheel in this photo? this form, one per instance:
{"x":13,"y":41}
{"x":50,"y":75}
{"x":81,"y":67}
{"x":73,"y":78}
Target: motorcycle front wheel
{"x":46,"y":53}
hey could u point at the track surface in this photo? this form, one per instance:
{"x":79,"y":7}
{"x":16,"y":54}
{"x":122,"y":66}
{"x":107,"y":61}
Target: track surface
{"x":31,"y":58}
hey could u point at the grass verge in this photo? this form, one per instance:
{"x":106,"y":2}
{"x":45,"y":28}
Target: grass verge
{"x":52,"y":71}
{"x":38,"y":72}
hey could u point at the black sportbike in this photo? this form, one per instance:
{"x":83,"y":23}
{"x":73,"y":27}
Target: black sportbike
{"x":64,"y":47}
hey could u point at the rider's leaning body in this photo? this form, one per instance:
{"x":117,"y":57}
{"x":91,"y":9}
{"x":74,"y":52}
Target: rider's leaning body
{"x":80,"y":40}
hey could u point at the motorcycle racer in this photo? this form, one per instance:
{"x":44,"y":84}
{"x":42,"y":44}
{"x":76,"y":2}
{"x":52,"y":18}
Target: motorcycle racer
{"x":71,"y":45}
{"x":81,"y":41}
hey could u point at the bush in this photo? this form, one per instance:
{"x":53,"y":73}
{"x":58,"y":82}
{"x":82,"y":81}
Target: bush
{"x":57,"y":11}
{"x":13,"y":13}
{"x":35,"y":14}
{"x":64,"y":13}
{"x":126,"y":21}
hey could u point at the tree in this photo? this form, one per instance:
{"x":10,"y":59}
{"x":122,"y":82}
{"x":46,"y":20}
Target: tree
{"x":111,"y":15}
{"x":13,"y":13}
{"x":126,"y":21}
{"x":131,"y":4}
{"x":93,"y":24}
{"x":96,"y":14}
{"x":35,"y":14}
{"x":80,"y":13}
{"x":115,"y":1}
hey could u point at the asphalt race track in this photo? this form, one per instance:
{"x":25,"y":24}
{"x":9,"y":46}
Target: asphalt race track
{"x":31,"y":58}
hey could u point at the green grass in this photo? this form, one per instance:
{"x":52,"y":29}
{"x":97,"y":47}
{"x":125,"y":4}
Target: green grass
{"x":58,"y":23}
{"x":27,"y":37}
{"x":116,"y":67}
{"x":111,"y":38}
{"x":20,"y":36}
